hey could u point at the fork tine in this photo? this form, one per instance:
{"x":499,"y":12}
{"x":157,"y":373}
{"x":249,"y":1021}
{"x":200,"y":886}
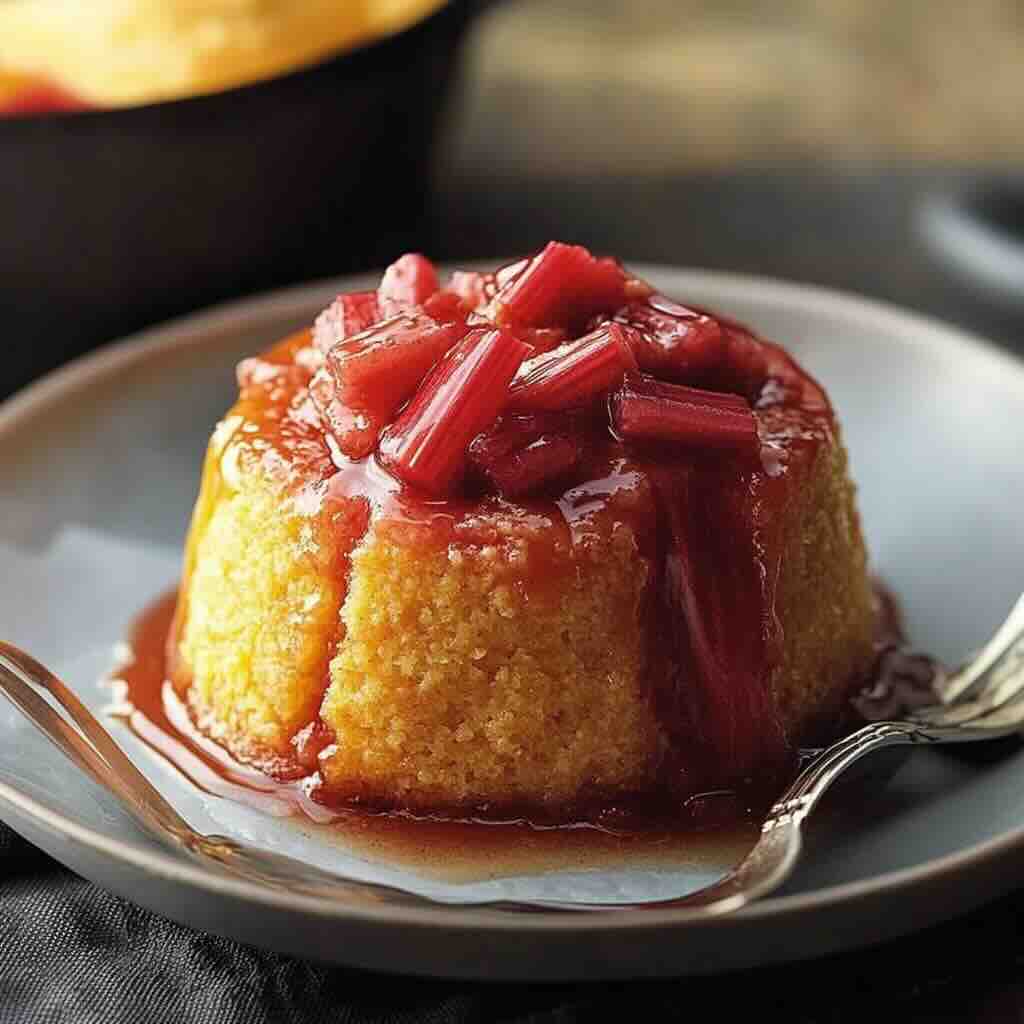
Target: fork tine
{"x":1003,"y":700}
{"x":1008,"y":717}
{"x":1003,"y":692}
{"x":1001,"y":658}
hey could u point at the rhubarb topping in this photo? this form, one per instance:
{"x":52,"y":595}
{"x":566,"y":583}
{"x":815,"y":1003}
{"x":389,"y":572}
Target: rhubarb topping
{"x":345,"y":316}
{"x":576,"y":373}
{"x":521,"y":453}
{"x":719,"y":605}
{"x":445,"y":306}
{"x":474,"y":290}
{"x":542,"y":339}
{"x":673,"y":341}
{"x":367,"y":377}
{"x":406,"y":284}
{"x":528,"y":469}
{"x":426,"y":447}
{"x":645,"y":409}
{"x":562,"y":286}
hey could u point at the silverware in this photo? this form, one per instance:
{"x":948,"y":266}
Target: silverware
{"x":983,"y":700}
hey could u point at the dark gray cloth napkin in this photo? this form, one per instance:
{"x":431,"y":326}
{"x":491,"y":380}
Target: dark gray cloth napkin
{"x":71,"y":952}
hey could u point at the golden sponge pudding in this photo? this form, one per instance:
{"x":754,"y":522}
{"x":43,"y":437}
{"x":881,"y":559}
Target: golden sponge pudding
{"x":485,"y":653}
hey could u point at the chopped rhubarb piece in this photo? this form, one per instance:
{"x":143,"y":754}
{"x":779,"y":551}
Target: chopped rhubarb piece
{"x":575,"y":373}
{"x":517,"y":430}
{"x":346,"y":315}
{"x":509,"y":272}
{"x":368,"y":376}
{"x":527,"y":469}
{"x":426,"y":446}
{"x":514,"y":432}
{"x":673,"y":341}
{"x":562,"y":286}
{"x":474,"y":289}
{"x":645,"y":409}
{"x":406,"y":284}
{"x":446,"y":307}
{"x":542,"y":339}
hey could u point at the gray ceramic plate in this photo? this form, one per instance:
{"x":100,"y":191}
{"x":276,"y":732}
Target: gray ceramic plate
{"x":98,"y":470}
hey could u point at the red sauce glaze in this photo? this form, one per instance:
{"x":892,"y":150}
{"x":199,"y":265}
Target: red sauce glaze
{"x":718,"y":825}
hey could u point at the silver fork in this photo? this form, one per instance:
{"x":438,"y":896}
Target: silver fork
{"x":983,"y":700}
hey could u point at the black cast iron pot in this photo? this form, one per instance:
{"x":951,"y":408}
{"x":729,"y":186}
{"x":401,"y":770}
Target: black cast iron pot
{"x":113,"y":219}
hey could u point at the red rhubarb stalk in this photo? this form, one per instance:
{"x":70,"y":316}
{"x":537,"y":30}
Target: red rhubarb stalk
{"x":406,"y":284}
{"x":563,"y":285}
{"x":575,"y":373}
{"x":520,"y":453}
{"x":445,"y":306}
{"x":346,"y":315}
{"x":672,"y":340}
{"x":542,"y":339}
{"x":367,"y":377}
{"x":645,"y":409}
{"x":529,"y":468}
{"x":474,"y":290}
{"x":426,"y":446}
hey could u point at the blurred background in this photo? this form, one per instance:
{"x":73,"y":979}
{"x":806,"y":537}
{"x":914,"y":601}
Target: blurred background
{"x":662,"y":85}
{"x":870,"y":146}
{"x":800,"y":138}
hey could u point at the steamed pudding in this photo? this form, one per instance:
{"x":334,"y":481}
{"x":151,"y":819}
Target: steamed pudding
{"x":536,"y":540}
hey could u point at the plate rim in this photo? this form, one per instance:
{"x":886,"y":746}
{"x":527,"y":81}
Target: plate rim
{"x":202,"y":326}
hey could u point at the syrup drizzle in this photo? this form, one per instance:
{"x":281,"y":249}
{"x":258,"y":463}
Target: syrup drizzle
{"x":713,"y":829}
{"x":710,"y":829}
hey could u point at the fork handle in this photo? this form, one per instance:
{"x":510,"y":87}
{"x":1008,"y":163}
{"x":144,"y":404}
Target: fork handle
{"x":87,"y":744}
{"x":773,"y":857}
{"x":775,"y":854}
